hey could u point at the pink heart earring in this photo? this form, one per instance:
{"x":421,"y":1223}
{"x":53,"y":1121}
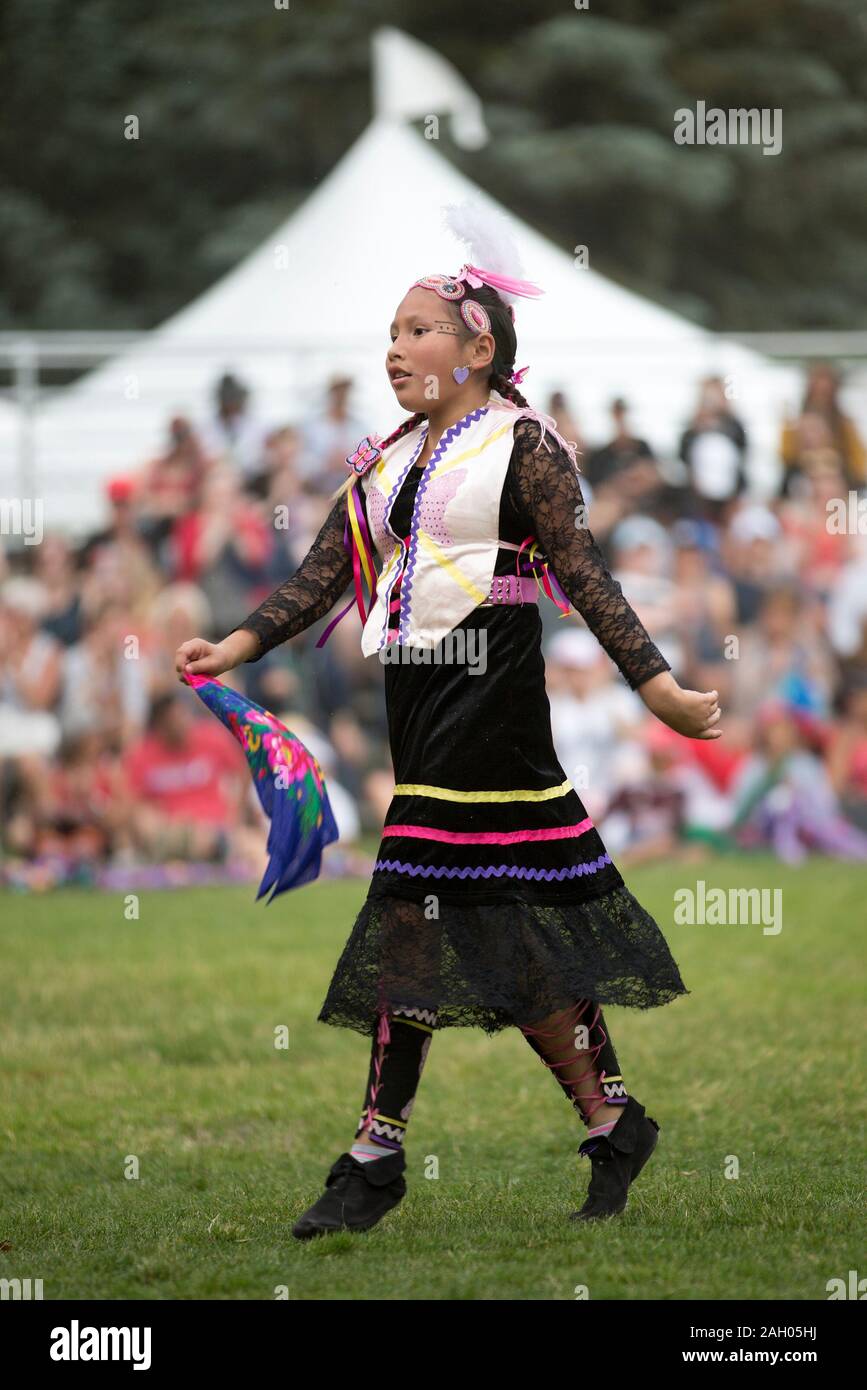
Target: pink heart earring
{"x":460,"y":374}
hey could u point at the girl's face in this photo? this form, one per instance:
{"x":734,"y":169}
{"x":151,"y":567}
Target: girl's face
{"x":427,"y":343}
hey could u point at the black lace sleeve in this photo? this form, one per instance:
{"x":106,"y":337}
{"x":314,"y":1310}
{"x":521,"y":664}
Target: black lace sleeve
{"x":317,"y":584}
{"x":547,"y":488}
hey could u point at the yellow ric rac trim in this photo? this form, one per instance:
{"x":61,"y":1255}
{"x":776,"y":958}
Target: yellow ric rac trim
{"x":450,"y":567}
{"x":359,"y":544}
{"x":385,"y":1118}
{"x":452,"y":794}
{"x":414,"y":1023}
{"x":459,"y":458}
{"x":454,"y":462}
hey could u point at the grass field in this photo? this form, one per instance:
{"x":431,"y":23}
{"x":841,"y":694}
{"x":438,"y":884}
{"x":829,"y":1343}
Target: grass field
{"x":154,"y":1038}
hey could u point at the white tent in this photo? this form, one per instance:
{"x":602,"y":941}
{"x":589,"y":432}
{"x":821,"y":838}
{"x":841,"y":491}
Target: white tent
{"x":319,"y":295}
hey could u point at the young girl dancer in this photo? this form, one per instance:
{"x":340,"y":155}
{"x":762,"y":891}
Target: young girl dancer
{"x":492,"y":902}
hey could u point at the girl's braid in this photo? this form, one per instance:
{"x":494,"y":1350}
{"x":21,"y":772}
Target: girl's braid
{"x":500,"y":382}
{"x":507,"y":388}
{"x":408,"y":424}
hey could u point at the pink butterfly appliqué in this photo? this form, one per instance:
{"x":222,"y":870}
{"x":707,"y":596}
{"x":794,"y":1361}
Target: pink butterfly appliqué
{"x":366,"y":454}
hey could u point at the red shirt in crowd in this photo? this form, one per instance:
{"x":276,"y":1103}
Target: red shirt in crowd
{"x":253,"y":540}
{"x":189,"y":782}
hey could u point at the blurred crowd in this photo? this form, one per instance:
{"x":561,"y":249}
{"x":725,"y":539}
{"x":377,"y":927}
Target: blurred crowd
{"x":112,"y":772}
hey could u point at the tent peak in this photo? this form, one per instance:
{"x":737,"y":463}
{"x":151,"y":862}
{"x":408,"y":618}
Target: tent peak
{"x":413,"y":81}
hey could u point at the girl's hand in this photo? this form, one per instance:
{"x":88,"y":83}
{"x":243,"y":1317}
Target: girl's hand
{"x":201,"y":658}
{"x":692,"y":713}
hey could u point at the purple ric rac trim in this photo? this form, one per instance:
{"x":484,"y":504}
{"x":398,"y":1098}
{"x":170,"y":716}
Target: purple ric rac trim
{"x":450,"y":435}
{"x":387,"y":522}
{"x":489,"y":870}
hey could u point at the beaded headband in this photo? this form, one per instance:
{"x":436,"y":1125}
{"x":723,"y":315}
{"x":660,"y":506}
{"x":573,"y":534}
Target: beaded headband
{"x":454,"y":286}
{"x":474,"y":314}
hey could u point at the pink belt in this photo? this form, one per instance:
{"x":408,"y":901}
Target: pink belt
{"x":512,"y":588}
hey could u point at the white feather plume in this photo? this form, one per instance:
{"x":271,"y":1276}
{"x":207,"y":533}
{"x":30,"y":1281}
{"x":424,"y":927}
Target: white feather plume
{"x":489,"y":237}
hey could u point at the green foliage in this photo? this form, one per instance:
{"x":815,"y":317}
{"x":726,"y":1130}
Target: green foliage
{"x":243,"y":109}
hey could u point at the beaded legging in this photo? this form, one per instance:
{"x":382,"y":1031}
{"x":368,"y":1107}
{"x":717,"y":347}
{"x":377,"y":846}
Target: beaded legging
{"x":400,"y":1046}
{"x":576,"y":1039}
{"x":573,"y":1044}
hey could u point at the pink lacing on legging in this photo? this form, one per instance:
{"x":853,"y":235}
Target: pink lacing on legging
{"x":569,"y":1061}
{"x":383,"y":1036}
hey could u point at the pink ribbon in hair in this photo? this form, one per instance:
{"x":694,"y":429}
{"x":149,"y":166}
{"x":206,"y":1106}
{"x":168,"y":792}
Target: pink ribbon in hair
{"x":475,"y":276}
{"x":548,"y":426}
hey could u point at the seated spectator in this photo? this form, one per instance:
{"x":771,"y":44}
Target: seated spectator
{"x":224,"y":545}
{"x":564,"y":418}
{"x":694,"y":810}
{"x":105,"y":677}
{"x":119,"y":557}
{"x":187,"y":782}
{"x":705,"y":607}
{"x":847,"y":607}
{"x":752,"y":551}
{"x":714,"y":449}
{"x":30,"y":671}
{"x":821,"y":428}
{"x":622,"y":450}
{"x":233,"y":434}
{"x":593,"y":716}
{"x":785,"y":654}
{"x":646,"y":817}
{"x":819,"y":550}
{"x":784,"y":799}
{"x":177,"y":610}
{"x":278,"y":484}
{"x":329,"y":436}
{"x":54,"y":566}
{"x":847,"y":750}
{"x":637,"y":489}
{"x":75,"y":809}
{"x":643,"y":566}
{"x":170,"y":485}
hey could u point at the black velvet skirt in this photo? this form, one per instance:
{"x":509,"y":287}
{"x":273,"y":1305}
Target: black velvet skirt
{"x":492,"y":899}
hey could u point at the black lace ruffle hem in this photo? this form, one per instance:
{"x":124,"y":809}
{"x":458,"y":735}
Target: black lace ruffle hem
{"x":493,"y":966}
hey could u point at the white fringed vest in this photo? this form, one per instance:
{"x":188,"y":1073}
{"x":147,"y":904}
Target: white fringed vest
{"x":452,"y":553}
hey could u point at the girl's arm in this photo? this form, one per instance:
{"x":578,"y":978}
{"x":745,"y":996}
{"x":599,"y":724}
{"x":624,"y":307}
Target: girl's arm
{"x":317,"y":584}
{"x":548,"y":488}
{"x":319,"y":581}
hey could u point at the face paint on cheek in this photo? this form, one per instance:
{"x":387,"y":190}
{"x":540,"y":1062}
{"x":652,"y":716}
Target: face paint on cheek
{"x":447,"y":329}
